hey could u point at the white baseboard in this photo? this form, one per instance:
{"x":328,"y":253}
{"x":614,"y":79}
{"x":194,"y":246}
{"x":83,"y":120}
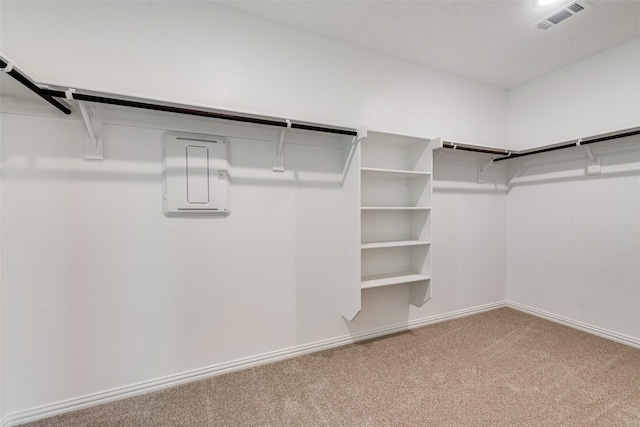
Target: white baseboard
{"x":198,"y":374}
{"x":46,"y":411}
{"x":453,"y":315}
{"x":603,"y":333}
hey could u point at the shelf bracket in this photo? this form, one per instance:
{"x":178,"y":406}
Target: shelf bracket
{"x":94,"y":145}
{"x":593,"y":162}
{"x":278,"y":150}
{"x":482,"y":169}
{"x":361,"y":133}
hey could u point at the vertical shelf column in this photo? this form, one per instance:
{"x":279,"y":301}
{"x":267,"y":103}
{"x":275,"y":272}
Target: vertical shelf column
{"x":351,"y":297}
{"x":394,"y":221}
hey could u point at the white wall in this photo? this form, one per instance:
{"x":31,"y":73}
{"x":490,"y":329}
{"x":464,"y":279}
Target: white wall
{"x":574,"y":241}
{"x":102,"y":291}
{"x":596,"y":95}
{"x":469,"y":230}
{"x":196,"y":53}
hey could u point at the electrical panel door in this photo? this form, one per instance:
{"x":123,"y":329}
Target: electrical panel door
{"x":196,"y":174}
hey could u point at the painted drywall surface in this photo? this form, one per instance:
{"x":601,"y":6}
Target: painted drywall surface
{"x":102,"y":291}
{"x":469,"y":227}
{"x":596,"y":95}
{"x":574,"y":241}
{"x":199,"y":54}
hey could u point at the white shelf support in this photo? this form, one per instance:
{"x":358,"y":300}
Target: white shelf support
{"x":482,"y":169}
{"x":593,"y":164}
{"x":94,"y":146}
{"x":278,"y":150}
{"x":361,"y":133}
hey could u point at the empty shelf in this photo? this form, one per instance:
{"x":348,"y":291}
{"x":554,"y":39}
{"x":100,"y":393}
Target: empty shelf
{"x":395,"y":208}
{"x":379,"y":280}
{"x":394,"y":244}
{"x":392,"y":173}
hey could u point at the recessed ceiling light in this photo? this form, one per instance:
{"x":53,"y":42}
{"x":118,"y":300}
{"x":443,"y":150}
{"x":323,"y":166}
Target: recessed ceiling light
{"x":546,"y":2}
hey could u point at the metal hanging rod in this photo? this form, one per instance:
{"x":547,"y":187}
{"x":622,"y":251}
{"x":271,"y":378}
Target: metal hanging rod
{"x":194,"y":112}
{"x":474,"y":148}
{"x":512,"y":154}
{"x":574,"y":143}
{"x":49,"y":95}
{"x":11,"y":70}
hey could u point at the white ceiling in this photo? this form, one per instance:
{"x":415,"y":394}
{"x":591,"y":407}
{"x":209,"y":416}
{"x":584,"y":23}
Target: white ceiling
{"x":484,"y":40}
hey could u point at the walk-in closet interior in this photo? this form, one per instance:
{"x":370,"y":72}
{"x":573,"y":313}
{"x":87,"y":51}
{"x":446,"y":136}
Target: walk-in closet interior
{"x":191,"y":189}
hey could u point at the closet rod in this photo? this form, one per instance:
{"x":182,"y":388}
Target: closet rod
{"x":49,"y":95}
{"x":194,"y":112}
{"x":474,"y":148}
{"x":158,"y":107}
{"x":511,"y":154}
{"x":575,"y":143}
{"x":32,"y":87}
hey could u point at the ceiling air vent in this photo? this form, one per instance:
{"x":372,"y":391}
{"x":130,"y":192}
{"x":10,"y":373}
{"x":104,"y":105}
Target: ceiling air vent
{"x":561,"y":14}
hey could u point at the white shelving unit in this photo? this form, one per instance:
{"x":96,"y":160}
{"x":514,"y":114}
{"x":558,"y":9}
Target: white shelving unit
{"x":391,"y":177}
{"x":391,"y":173}
{"x":395,"y":208}
{"x":393,"y":244}
{"x":388,"y":279}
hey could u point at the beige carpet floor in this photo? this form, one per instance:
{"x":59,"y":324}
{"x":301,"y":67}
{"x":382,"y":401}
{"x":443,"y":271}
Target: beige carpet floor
{"x":499,"y":368}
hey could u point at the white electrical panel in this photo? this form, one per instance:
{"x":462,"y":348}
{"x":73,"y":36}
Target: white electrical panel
{"x":195,"y":170}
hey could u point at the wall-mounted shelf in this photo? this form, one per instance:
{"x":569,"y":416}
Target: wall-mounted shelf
{"x":394,"y":244}
{"x":395,"y":208}
{"x":388,"y":279}
{"x":392,"y":173}
{"x":504,"y":154}
{"x":49,"y":95}
{"x":394,"y":186}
